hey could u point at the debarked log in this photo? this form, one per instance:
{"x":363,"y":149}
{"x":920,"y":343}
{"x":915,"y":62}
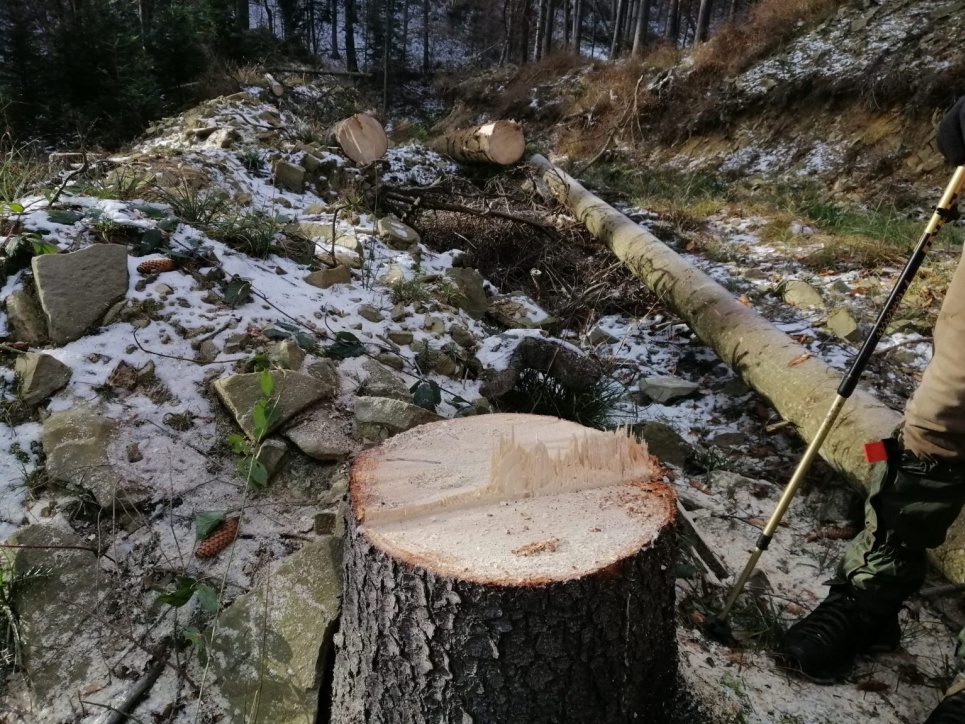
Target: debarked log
{"x":801,"y":388}
{"x":500,"y":142}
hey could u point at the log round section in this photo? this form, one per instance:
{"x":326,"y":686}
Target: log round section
{"x":468,"y":599}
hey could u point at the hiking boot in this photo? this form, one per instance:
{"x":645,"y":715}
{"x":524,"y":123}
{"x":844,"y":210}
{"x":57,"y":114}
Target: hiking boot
{"x":950,"y":711}
{"x":824,"y":644}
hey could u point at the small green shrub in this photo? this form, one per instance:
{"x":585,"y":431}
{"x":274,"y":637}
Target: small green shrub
{"x":538,"y":393}
{"x":409,"y":291}
{"x":251,"y":233}
{"x":19,"y":171}
{"x":252,"y":160}
{"x":192,"y":204}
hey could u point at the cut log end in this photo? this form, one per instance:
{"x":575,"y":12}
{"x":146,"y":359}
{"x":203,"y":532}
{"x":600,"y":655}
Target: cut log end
{"x":361,"y":138}
{"x":506,"y":143}
{"x":510,"y":499}
{"x":500,"y":142}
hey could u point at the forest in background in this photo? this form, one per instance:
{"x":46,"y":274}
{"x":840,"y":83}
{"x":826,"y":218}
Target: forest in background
{"x":96,"y":72}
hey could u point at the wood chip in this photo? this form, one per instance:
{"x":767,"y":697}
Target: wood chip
{"x":799,"y":359}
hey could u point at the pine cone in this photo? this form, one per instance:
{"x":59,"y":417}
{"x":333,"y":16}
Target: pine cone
{"x":219,"y":540}
{"x":155,"y":266}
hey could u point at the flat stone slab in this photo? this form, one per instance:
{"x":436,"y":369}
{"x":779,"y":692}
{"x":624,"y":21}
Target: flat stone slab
{"x":275,"y":642}
{"x":76,"y":442}
{"x":667,"y":389}
{"x":26,"y":319}
{"x":321,"y":436}
{"x":40,"y":376}
{"x":802,"y":294}
{"x":377,"y":418}
{"x":76,"y":290}
{"x":293,"y":390}
{"x":61,"y":656}
{"x":472,"y":297}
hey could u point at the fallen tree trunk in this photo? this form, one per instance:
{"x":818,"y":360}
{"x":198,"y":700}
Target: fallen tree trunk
{"x":800,"y":388}
{"x":361,"y":138}
{"x":507,"y":569}
{"x":499,"y":142}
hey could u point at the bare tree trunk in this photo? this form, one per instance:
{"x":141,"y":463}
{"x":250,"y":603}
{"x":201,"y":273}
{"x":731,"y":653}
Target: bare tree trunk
{"x":524,"y":30}
{"x":425,"y":36}
{"x":567,"y":22}
{"x":351,"y":61}
{"x":550,"y":23}
{"x":618,"y":15}
{"x":577,"y":34}
{"x":732,"y":13}
{"x":334,"y":11}
{"x":673,"y":22}
{"x":540,"y":28}
{"x":643,"y":23}
{"x":243,"y":15}
{"x":405,"y":34}
{"x":703,"y":20}
{"x":387,"y":50}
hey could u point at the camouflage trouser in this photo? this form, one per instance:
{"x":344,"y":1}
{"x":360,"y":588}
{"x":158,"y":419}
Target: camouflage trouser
{"x":917,"y":495}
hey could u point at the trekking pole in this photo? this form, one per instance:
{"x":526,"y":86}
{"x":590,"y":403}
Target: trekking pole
{"x":945,"y":211}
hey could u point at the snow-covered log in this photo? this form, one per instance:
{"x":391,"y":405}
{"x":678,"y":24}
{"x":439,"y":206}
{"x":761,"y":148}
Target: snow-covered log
{"x":801,"y":388}
{"x":499,"y":142}
{"x":507,"y":569}
{"x":361,"y":138}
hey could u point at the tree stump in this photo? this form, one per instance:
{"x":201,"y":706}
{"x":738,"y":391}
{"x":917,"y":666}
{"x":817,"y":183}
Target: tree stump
{"x":503,"y":569}
{"x":361,"y":138}
{"x":499,"y":142}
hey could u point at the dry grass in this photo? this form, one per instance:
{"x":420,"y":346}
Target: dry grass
{"x":735,"y":47}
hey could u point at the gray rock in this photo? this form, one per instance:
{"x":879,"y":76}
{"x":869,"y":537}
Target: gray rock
{"x":75,"y":442}
{"x":76,"y":290}
{"x":318,"y":231}
{"x":56,"y":613}
{"x":472,"y":297}
{"x":321,"y":436}
{"x":391,"y":360}
{"x":599,"y":336}
{"x":40,"y":376}
{"x":433,"y":325}
{"x":222,"y":138}
{"x":326,"y":522}
{"x":664,"y":442}
{"x":377,"y":418}
{"x":26,"y":319}
{"x":396,"y":234}
{"x":517,"y":311}
{"x":399,"y":312}
{"x":325,"y":278}
{"x":729,"y":440}
{"x":844,"y":326}
{"x":840,"y":287}
{"x":462,"y":336}
{"x":293,"y":391}
{"x":289,"y":176}
{"x":549,"y":356}
{"x":370,"y":313}
{"x":382,"y":383}
{"x":400,"y":336}
{"x":288,"y":354}
{"x":271,"y":454}
{"x":666,"y":389}
{"x":277,"y":639}
{"x":326,"y":372}
{"x":445,"y":365}
{"x":802,"y":294}
{"x":207,"y":352}
{"x":236,"y":343}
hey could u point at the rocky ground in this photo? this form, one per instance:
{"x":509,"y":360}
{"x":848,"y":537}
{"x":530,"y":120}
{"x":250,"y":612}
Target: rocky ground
{"x":199,"y":336}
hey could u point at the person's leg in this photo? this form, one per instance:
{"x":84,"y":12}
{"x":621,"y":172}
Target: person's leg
{"x":915,"y":496}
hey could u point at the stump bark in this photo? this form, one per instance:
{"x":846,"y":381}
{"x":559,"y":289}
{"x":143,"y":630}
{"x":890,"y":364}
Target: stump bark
{"x":507,"y":569}
{"x":361,"y":138}
{"x":499,"y":142}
